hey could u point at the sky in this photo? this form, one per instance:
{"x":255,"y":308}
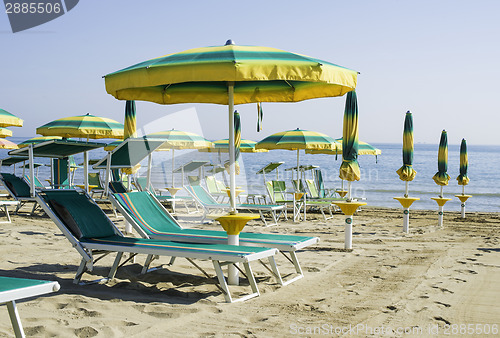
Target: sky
{"x":439,"y":59}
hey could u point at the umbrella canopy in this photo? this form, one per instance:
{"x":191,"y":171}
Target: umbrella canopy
{"x":83,"y":126}
{"x":39,"y":139}
{"x":246,"y":146}
{"x":349,"y":169}
{"x":295,"y":140}
{"x":6,"y":144}
{"x":406,"y":172}
{"x":441,"y":177}
{"x":230,"y":75}
{"x":260,"y":74}
{"x":4,"y":132}
{"x":9,"y":120}
{"x":177,"y":139}
{"x":363,"y":149}
{"x":463,"y":179}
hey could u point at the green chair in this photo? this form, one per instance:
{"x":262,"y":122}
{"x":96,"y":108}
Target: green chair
{"x":19,"y":190}
{"x":92,"y":233}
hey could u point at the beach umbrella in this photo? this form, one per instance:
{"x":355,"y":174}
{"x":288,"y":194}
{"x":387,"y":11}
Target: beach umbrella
{"x":9,"y":120}
{"x":246,"y":146}
{"x":177,"y":139}
{"x":4,"y":132}
{"x":463,"y":179}
{"x":297,"y":139}
{"x":406,"y":172}
{"x":363,"y":149}
{"x":349,"y":169}
{"x":441,"y":177}
{"x":237,"y":135}
{"x":38,"y":139}
{"x":6,"y":144}
{"x":130,"y":124}
{"x":230,"y":75}
{"x":83,"y":126}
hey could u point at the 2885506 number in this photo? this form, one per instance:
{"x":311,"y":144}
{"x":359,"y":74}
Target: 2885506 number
{"x":32,"y":8}
{"x":470,"y":329}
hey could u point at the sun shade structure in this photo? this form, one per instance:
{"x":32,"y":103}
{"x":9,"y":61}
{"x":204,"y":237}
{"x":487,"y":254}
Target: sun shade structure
{"x":83,"y":126}
{"x":9,"y":120}
{"x":130,"y":125}
{"x":463,"y":179}
{"x":441,"y":177}
{"x":363,"y":149}
{"x":406,"y":172}
{"x":4,"y":132}
{"x":349,"y":169}
{"x":230,"y":75}
{"x":39,"y":139}
{"x":246,"y":146}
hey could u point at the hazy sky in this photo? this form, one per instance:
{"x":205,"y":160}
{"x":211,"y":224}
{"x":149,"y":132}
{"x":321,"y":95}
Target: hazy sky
{"x":439,"y":59}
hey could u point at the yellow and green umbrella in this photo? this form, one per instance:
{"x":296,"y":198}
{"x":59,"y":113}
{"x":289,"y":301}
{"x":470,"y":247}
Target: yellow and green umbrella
{"x":406,"y":172}
{"x":364,"y":148}
{"x":38,"y":139}
{"x":246,"y":146}
{"x":349,"y":169}
{"x":177,"y":139}
{"x":130,"y":125}
{"x":441,"y":177}
{"x":6,"y":144}
{"x":9,"y":120}
{"x":4,"y":132}
{"x":83,"y":126}
{"x":297,"y":139}
{"x":463,"y":179}
{"x":230,"y":75}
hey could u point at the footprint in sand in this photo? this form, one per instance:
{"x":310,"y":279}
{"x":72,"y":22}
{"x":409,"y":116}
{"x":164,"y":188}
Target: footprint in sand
{"x":442,"y":289}
{"x":86,"y":331}
{"x":443,"y":304}
{"x":441,"y":319}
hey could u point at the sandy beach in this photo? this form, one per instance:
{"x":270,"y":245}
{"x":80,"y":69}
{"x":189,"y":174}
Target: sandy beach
{"x":433,"y":281}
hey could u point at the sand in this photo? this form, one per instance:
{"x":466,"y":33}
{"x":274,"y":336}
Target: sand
{"x":429,"y":282}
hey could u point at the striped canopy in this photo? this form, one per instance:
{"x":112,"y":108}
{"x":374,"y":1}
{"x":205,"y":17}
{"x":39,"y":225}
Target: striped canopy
{"x":36,"y":140}
{"x":441,"y":177}
{"x":4,"y":132}
{"x":463,"y":179}
{"x":363,"y":149}
{"x":260,"y":74}
{"x":246,"y":146}
{"x":9,"y":120}
{"x":297,"y":139}
{"x":349,"y":169}
{"x":406,"y":172}
{"x":177,"y":139}
{"x":83,"y":126}
{"x":6,"y":144}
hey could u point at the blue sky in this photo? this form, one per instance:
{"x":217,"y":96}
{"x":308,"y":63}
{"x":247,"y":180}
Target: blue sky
{"x":438,"y":59}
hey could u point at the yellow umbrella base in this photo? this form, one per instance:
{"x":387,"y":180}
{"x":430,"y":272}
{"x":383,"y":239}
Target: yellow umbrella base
{"x":406,"y":202}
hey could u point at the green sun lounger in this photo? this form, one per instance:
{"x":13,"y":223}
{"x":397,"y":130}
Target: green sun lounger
{"x":19,"y":190}
{"x":152,"y":220}
{"x":92,"y":233}
{"x":14,"y":289}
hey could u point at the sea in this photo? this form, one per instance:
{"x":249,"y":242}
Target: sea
{"x":379,"y":181}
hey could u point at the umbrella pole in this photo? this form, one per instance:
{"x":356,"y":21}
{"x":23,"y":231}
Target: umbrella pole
{"x":298,"y":170}
{"x":86,"y":170}
{"x":441,"y":192}
{"x":32,"y":170}
{"x":24,"y":169}
{"x":232,"y":172}
{"x":173,"y":165}
{"x":406,"y":188}
{"x":150,"y":161}
{"x":349,"y":198}
{"x":108,"y":173}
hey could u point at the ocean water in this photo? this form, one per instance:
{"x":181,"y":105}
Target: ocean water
{"x":379,"y":182}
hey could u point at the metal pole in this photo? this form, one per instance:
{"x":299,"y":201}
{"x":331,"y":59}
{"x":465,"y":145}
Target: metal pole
{"x":150,"y":162}
{"x":349,"y":191}
{"x":232,"y":272}
{"x":86,"y":170}
{"x":440,"y":216}
{"x":406,"y":220}
{"x":32,"y":170}
{"x":298,"y":178}
{"x":108,"y":173}
{"x":232,"y":171}
{"x":441,"y":192}
{"x":406,"y":189}
{"x":348,"y":232}
{"x":173,"y":167}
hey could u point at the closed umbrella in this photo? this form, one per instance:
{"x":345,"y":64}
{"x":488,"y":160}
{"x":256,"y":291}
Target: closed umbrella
{"x":9,"y":120}
{"x":463,"y":179}
{"x":130,"y":124}
{"x":441,"y":177}
{"x":406,"y":172}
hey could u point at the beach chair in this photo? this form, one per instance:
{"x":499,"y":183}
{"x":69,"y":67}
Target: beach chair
{"x":92,"y":233}
{"x":151,"y":220}
{"x":38,"y":183}
{"x":208,"y":203}
{"x":216,"y":188}
{"x":96,"y":183}
{"x":19,"y":190}
{"x":14,"y":289}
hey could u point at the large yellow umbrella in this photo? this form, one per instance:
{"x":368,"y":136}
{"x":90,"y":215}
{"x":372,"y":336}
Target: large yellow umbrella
{"x":6,"y":144}
{"x":9,"y":120}
{"x":230,"y":75}
{"x":4,"y":132}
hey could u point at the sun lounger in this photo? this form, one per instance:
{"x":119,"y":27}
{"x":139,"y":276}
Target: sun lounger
{"x":209,"y":204}
{"x":4,"y":205}
{"x":152,"y":220}
{"x":19,"y":190}
{"x":91,"y":232}
{"x":14,"y":289}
